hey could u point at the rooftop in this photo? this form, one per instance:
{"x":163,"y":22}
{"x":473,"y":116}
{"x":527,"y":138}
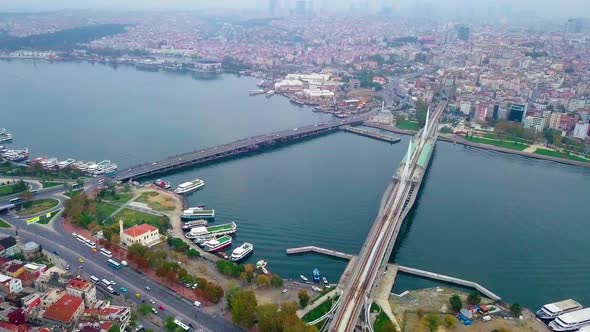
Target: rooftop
{"x":138,"y":230}
{"x":64,"y":309}
{"x":78,"y":284}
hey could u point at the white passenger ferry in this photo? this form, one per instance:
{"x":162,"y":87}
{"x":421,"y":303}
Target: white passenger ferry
{"x":242,"y":252}
{"x":571,"y":321}
{"x":188,"y":187}
{"x":551,"y":310}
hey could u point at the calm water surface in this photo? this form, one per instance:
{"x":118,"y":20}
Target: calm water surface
{"x":519,"y":227}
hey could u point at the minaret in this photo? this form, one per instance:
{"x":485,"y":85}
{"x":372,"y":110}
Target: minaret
{"x":425,"y":129}
{"x":120,"y":227}
{"x":382,"y":106}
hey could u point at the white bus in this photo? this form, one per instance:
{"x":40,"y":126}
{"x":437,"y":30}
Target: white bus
{"x":81,"y":238}
{"x":181,"y":324}
{"x":94,"y":279}
{"x":15,"y":200}
{"x":105,"y":282}
{"x":90,"y":244}
{"x":106,"y":252}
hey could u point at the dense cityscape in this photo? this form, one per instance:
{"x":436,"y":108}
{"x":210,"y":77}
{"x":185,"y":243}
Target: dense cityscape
{"x":120,"y":246}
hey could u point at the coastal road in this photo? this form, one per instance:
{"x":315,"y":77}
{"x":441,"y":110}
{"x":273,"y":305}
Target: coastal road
{"x":95,"y":264}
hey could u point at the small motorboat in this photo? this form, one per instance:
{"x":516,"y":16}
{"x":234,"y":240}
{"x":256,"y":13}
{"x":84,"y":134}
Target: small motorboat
{"x":325,"y":280}
{"x":304,"y":278}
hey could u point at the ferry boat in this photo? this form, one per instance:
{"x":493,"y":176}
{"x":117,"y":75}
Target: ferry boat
{"x":65,"y":163}
{"x":188,"y":187}
{"x":16,"y":155}
{"x":194,"y":213}
{"x":270,"y":93}
{"x":49,"y":163}
{"x":304,"y":278}
{"x":256,"y":92}
{"x":325,"y":280}
{"x":38,"y":160}
{"x":5,"y":138}
{"x":187,"y":226}
{"x":110,"y":169}
{"x":91,"y":167}
{"x":162,"y":184}
{"x":571,"y":321}
{"x":551,"y":310}
{"x":218,"y":244}
{"x":80,"y":165}
{"x":202,"y":232}
{"x":105,"y":166}
{"x":242,"y":252}
{"x":316,"y":275}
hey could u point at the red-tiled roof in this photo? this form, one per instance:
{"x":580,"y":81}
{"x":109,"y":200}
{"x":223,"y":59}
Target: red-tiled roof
{"x":64,"y":309}
{"x":138,"y":230}
{"x":8,"y":326}
{"x":78,"y":284}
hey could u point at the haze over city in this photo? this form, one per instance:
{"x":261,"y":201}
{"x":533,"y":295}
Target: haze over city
{"x":294,"y":165}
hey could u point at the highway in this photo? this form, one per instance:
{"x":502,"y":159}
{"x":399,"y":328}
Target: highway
{"x":383,"y":233}
{"x":95,"y":264}
{"x":234,"y":148}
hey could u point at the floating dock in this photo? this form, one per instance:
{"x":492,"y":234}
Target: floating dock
{"x":371,"y":134}
{"x":329,"y":252}
{"x":400,"y":268}
{"x":452,"y":280}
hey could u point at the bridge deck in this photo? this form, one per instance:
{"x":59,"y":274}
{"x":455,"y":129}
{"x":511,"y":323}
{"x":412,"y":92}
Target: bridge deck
{"x":232,"y":149}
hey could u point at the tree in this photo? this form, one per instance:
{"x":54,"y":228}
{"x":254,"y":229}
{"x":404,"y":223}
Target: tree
{"x":169,"y":324}
{"x":262,"y":281}
{"x":243,"y":308}
{"x":144,"y":309}
{"x":420,"y":313}
{"x":450,"y":322}
{"x":213,"y":292}
{"x":229,"y":295}
{"x":421,"y":109}
{"x":474,"y":298}
{"x":432,"y":322}
{"x":515,"y":309}
{"x":268,"y":318}
{"x":115,"y":328}
{"x":276,"y":281}
{"x":193,"y":253}
{"x":26,"y":196}
{"x":303,"y":298}
{"x":456,"y":302}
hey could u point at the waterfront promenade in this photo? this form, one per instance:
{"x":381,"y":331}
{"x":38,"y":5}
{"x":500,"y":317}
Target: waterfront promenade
{"x":233,"y":149}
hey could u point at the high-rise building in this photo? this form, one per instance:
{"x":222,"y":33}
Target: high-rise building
{"x":463,"y":33}
{"x":581,"y":130}
{"x":535,"y":122}
{"x":516,"y":112}
{"x":573,"y":25}
{"x":555,"y":120}
{"x":300,"y":7}
{"x":272,"y":7}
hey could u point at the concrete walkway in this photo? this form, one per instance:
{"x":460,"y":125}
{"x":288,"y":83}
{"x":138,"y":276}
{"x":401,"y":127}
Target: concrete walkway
{"x":383,"y":291}
{"x":317,"y":302}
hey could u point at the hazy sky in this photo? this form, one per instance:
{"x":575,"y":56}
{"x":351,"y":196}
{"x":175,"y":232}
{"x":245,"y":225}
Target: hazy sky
{"x":540,"y":7}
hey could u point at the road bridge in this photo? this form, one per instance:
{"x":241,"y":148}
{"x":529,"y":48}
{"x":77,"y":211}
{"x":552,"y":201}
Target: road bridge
{"x":233,"y":149}
{"x":358,"y":292}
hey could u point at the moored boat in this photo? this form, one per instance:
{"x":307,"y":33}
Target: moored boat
{"x":49,"y":163}
{"x":65,"y":163}
{"x":194,"y":213}
{"x":325,"y":280}
{"x":202,"y":232}
{"x":188,"y":187}
{"x":304,"y":278}
{"x":316,"y":275}
{"x":571,"y":321}
{"x":256,"y":92}
{"x":270,"y":93}
{"x":242,"y":252}
{"x":218,"y":244}
{"x":162,"y":184}
{"x":551,"y":310}
{"x":187,"y":226}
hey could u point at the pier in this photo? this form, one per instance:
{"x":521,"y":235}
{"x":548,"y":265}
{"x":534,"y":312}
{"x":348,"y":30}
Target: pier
{"x":371,"y":134}
{"x":452,"y":280}
{"x":388,"y":128}
{"x":243,"y":146}
{"x":324,"y":251}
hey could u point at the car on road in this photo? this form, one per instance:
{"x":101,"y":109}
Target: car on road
{"x":67,"y":267}
{"x":94,"y":250}
{"x":154,"y":311}
{"x":139,"y":328}
{"x":197,"y":304}
{"x":148,"y":288}
{"x":152,"y":301}
{"x":137,"y":295}
{"x":75,"y":234}
{"x":284,"y":291}
{"x":113,"y":282}
{"x":162,"y":307}
{"x":123,"y":290}
{"x":80,"y":260}
{"x":56,"y":252}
